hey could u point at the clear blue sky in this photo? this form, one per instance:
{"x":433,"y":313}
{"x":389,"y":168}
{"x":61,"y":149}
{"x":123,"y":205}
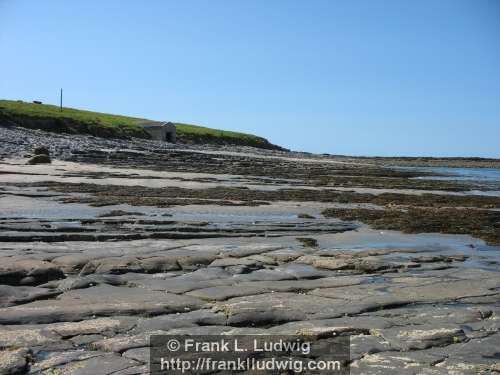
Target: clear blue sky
{"x":345,"y":77}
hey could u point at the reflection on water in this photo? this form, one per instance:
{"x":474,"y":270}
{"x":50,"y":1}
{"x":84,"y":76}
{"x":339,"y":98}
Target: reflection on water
{"x":483,"y":181}
{"x":364,"y":238}
{"x":464,"y":174}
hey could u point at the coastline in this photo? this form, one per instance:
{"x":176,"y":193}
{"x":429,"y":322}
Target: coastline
{"x":117,"y":240}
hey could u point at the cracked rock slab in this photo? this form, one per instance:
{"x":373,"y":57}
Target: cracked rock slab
{"x":87,"y":303}
{"x":276,"y":308}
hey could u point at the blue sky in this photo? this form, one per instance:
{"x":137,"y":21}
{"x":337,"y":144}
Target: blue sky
{"x":345,"y":77}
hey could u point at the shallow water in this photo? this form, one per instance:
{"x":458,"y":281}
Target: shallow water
{"x":480,"y":255}
{"x":483,"y":181}
{"x":477,"y":174}
{"x":363,"y":238}
{"x":461,"y":174}
{"x":19,"y":206}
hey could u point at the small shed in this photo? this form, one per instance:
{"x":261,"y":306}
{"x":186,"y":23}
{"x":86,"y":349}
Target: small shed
{"x":161,"y":131}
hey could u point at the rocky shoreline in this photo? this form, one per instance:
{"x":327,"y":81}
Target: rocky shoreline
{"x":116,"y":240}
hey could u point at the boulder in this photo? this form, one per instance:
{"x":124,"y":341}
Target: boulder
{"x":41,"y":150}
{"x":39,"y":159}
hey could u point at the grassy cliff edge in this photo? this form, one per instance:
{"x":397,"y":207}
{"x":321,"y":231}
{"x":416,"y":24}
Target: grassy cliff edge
{"x":70,"y":120}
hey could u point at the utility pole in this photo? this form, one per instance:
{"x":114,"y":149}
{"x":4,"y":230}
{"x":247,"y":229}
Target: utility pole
{"x":60,"y":102}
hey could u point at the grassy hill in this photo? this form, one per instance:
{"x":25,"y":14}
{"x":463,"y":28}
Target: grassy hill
{"x":70,"y":120}
{"x":195,"y":134}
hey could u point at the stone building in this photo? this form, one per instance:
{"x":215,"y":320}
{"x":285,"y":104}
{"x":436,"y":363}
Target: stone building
{"x":161,"y":131}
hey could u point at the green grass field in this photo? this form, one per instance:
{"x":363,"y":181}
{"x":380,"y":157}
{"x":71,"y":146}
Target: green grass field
{"x":187,"y":131}
{"x":116,"y":125}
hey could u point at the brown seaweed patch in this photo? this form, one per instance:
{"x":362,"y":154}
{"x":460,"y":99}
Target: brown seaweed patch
{"x":483,"y":224}
{"x":168,"y":196}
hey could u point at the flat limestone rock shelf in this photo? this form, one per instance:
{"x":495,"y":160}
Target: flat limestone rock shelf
{"x":117,"y":240}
